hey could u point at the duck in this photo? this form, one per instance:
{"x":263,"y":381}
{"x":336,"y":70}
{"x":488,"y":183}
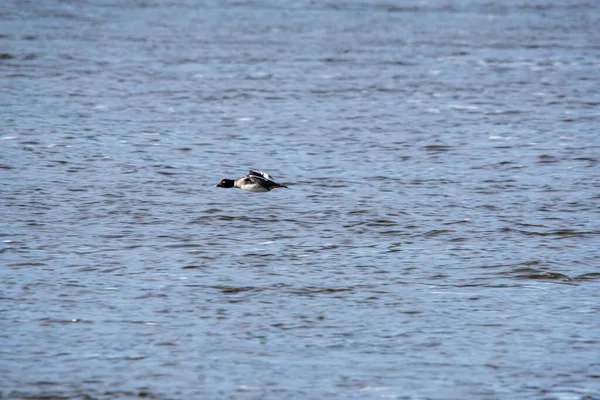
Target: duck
{"x":254,"y":181}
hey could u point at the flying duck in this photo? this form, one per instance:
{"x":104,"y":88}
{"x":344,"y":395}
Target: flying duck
{"x":255,"y":181}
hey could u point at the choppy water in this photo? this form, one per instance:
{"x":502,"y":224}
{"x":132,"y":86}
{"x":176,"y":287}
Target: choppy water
{"x":439,"y":240}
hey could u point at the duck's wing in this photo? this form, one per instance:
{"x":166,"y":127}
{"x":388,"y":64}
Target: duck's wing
{"x":260,"y":181}
{"x":260,"y":174}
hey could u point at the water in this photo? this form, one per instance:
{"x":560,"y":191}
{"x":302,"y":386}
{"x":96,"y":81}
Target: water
{"x":439,"y":240}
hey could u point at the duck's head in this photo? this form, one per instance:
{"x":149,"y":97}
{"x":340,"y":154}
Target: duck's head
{"x":225,"y":183}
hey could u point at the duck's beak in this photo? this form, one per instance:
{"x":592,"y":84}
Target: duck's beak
{"x":218,"y":185}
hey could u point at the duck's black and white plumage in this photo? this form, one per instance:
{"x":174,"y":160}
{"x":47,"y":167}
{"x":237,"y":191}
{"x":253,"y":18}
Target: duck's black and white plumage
{"x":255,"y":181}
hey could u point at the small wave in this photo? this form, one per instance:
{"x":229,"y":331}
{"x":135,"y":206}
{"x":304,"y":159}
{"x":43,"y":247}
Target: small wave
{"x":592,"y":276}
{"x":436,"y":148}
{"x":545,"y":276}
{"x":436,"y":232}
{"x":235,"y":289}
{"x":312,"y":290}
{"x":560,"y":233}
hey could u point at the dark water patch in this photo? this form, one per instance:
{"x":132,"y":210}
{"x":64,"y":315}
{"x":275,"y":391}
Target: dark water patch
{"x":402,"y":63}
{"x":458,"y":240}
{"x":459,"y":222}
{"x":286,"y":327}
{"x":244,"y":218}
{"x":359,"y":212}
{"x":381,"y":222}
{"x":547,"y":159}
{"x":335,"y":60}
{"x":236,"y":290}
{"x":525,"y":266}
{"x":314,"y":290}
{"x":41,"y":396}
{"x":327,"y":93}
{"x":151,"y":296}
{"x":258,"y":255}
{"x":392,"y":233}
{"x":543,"y":276}
{"x":438,"y":276}
{"x":385,"y":178}
{"x":559,"y":233}
{"x":186,"y":245}
{"x":436,"y":148}
{"x":502,"y":165}
{"x":486,"y":285}
{"x":436,"y":232}
{"x":591,"y":160}
{"x":490,"y":207}
{"x":527,"y":225}
{"x":166,"y":173}
{"x":197,"y":267}
{"x":26,"y":265}
{"x":433,"y":182}
{"x":500,"y":182}
{"x":388,"y":89}
{"x":588,"y":277}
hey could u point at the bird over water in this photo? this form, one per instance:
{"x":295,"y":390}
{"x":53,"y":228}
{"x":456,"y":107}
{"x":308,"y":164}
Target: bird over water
{"x":255,"y":181}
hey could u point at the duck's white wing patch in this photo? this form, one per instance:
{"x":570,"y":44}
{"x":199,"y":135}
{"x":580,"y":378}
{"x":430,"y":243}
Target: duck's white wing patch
{"x":260,"y":174}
